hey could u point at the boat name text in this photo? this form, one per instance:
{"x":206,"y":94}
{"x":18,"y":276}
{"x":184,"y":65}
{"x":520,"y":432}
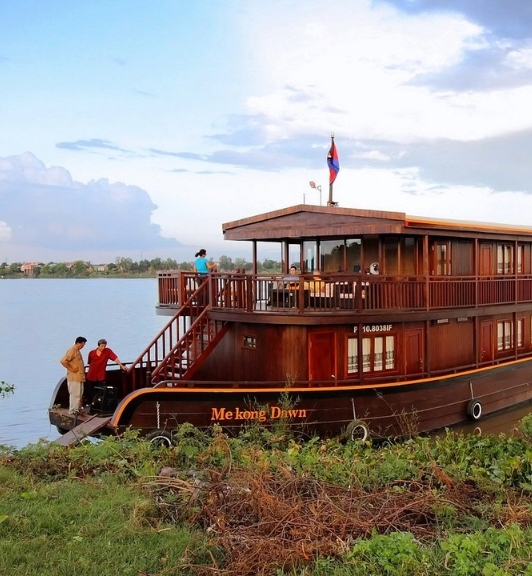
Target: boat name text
{"x":273,"y":413}
{"x":374,"y":328}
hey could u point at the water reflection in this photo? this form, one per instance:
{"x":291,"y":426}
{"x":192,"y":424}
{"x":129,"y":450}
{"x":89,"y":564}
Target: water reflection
{"x":504,"y":422}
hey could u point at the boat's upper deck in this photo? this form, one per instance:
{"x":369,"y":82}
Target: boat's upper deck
{"x":366,"y":262}
{"x":338,"y":294}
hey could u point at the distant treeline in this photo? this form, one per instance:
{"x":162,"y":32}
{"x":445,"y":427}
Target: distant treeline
{"x":123,"y":267}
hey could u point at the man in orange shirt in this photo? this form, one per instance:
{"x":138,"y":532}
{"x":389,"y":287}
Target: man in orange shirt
{"x":73,"y":362}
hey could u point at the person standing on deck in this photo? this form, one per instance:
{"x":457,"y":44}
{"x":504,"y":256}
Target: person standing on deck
{"x":202,"y":267}
{"x":73,"y":362}
{"x":97,"y":361}
{"x":201,"y":264}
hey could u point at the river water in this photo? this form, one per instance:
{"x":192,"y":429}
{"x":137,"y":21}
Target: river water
{"x":40,"y":319}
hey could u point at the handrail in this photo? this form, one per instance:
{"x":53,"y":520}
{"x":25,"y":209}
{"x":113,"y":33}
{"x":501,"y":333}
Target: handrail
{"x":141,"y":370}
{"x":195,"y":341}
{"x":352,"y":292}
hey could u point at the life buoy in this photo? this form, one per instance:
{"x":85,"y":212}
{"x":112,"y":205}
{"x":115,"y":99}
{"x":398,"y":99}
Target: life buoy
{"x":357,"y":431}
{"x":160,"y":438}
{"x":474,"y":409}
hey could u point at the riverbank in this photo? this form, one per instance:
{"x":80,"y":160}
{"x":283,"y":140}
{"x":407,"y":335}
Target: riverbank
{"x":96,"y":275}
{"x":266,"y":504}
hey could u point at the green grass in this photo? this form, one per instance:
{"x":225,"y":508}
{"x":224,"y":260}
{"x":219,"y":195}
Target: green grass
{"x":85,"y":527}
{"x":101,"y":509}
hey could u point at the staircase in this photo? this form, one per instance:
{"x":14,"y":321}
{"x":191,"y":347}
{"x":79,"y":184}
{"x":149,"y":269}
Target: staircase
{"x":182,"y":346}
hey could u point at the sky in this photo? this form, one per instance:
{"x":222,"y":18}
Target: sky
{"x":135,"y":129}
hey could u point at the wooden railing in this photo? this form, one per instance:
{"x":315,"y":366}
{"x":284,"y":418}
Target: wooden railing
{"x":181,"y":342}
{"x":336,"y":292}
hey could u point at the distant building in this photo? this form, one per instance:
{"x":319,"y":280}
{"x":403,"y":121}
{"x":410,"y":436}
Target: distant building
{"x":28,"y":267}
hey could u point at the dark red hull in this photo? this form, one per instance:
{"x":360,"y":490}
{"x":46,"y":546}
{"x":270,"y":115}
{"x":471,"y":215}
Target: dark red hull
{"x":387,"y":409}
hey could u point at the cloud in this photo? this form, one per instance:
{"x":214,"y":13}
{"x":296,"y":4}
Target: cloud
{"x":157,"y":152}
{"x":500,"y":55}
{"x":246,"y":149}
{"x":143,"y":93}
{"x":94,"y":143}
{"x":43,"y":208}
{"x":508,"y":18}
{"x":5,"y":232}
{"x":483,"y":162}
{"x":244,"y":130}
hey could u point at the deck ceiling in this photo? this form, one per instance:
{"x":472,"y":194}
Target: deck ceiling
{"x":306,"y":221}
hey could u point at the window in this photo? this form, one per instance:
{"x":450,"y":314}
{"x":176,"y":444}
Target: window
{"x":505,"y":335}
{"x":294,"y":255}
{"x":390,"y":255}
{"x":520,"y":332}
{"x":378,"y":354}
{"x":354,"y":255}
{"x":442,"y":259}
{"x":332,"y":256}
{"x":505,"y":259}
{"x":520,"y":258}
{"x":408,"y":256}
{"x":352,"y":355}
{"x":370,"y":248}
{"x":250,"y":342}
{"x":310,"y":251}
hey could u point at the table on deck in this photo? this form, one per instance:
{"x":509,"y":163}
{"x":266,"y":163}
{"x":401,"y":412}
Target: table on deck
{"x":286,"y":296}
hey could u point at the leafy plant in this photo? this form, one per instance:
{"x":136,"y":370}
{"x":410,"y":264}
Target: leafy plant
{"x":6,"y":389}
{"x":525,"y":427}
{"x":490,"y":553}
{"x":395,"y":554}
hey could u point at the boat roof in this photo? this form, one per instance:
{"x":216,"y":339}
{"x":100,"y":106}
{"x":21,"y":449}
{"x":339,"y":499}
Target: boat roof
{"x":307,"y":221}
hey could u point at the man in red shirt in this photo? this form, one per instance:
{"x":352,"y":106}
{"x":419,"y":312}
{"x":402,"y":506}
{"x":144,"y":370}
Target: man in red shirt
{"x":97,"y":361}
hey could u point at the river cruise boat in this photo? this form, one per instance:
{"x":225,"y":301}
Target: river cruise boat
{"x":393,"y":325}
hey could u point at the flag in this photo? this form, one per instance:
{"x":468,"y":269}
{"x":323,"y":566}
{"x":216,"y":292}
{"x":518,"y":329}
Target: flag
{"x":332,"y":161}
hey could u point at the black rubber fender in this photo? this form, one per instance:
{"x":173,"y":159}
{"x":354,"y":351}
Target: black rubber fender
{"x":357,"y":431}
{"x":474,"y":409}
{"x":160,"y":438}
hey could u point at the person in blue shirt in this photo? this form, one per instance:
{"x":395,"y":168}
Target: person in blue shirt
{"x":201,"y":264}
{"x":202,"y":267}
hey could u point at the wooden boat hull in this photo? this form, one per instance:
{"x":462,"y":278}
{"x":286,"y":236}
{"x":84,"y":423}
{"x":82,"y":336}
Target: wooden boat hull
{"x":388,"y":410}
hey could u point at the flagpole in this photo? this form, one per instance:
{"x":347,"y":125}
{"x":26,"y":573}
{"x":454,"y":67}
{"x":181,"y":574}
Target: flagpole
{"x":331,"y":202}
